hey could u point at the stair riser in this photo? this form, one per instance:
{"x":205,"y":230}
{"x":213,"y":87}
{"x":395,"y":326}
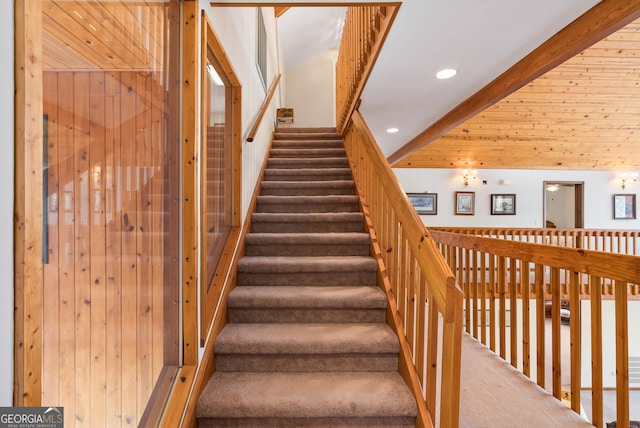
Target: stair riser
{"x":308,"y":278}
{"x":307,"y":363}
{"x":295,"y":163}
{"x":301,"y":176}
{"x":267,"y":315}
{"x":314,"y":136}
{"x":307,"y":153}
{"x":287,"y":227}
{"x":307,"y":208}
{"x":307,"y":250}
{"x":292,"y":144}
{"x":308,"y":191}
{"x":388,"y":422}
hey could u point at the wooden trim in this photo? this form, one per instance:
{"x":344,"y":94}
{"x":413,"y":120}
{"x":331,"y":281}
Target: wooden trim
{"x":600,"y":21}
{"x":263,"y":108}
{"x":190,"y":74}
{"x":28,"y":272}
{"x":311,"y":3}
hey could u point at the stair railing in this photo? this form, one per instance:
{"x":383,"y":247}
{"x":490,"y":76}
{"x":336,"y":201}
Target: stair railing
{"x":364,"y":32}
{"x":263,"y":109}
{"x":425,"y":303}
{"x":498,"y":275}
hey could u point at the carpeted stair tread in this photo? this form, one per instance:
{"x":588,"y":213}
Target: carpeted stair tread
{"x":316,"y":204}
{"x":307,"y":222}
{"x":306,"y":338}
{"x":307,"y":174}
{"x":307,"y":238}
{"x":262,"y":264}
{"x":304,"y":162}
{"x":306,"y":153}
{"x":309,"y":188}
{"x":306,"y":395}
{"x":307,"y":144}
{"x":300,"y":129}
{"x":307,"y":135}
{"x":308,"y":297}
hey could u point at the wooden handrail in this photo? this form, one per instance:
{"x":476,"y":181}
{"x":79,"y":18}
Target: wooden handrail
{"x":263,"y":108}
{"x":621,"y":241}
{"x":496,"y":274}
{"x":417,"y":279}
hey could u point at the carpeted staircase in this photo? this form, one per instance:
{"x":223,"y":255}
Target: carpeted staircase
{"x":307,"y":344}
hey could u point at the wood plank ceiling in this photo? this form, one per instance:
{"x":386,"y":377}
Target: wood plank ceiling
{"x":582,"y":115}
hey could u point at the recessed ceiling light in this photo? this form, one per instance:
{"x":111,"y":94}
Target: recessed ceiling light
{"x":447,"y":73}
{"x":392,"y":130}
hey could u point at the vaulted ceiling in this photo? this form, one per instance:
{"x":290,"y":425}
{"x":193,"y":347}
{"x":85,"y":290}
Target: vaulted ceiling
{"x":584,"y":114}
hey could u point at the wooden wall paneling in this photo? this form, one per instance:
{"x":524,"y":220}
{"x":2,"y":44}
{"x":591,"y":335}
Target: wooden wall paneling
{"x":129,"y":258}
{"x":51,"y":289}
{"x":67,"y":242}
{"x":81,"y":169}
{"x":144,"y":249}
{"x":114,"y":267}
{"x":98,"y":251}
{"x":157,"y":179}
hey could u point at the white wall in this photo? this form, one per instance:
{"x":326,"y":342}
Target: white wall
{"x":608,"y":340}
{"x":311,"y":90}
{"x":599,"y":188}
{"x":6,"y":213}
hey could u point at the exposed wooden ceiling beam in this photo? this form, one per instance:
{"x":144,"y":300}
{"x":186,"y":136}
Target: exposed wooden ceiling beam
{"x":280,"y":10}
{"x":600,"y":21}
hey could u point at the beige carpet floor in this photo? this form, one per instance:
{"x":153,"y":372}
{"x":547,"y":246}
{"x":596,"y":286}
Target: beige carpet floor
{"x":495,"y":395}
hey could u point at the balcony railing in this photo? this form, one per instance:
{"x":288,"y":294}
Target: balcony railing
{"x":502,"y":277}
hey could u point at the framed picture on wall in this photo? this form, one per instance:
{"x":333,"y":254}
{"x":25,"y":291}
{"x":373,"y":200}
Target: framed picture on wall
{"x":503,"y":204}
{"x":424,"y":203}
{"x":465,"y":203}
{"x":624,"y":206}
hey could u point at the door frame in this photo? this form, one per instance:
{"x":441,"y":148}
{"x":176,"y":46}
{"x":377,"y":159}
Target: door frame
{"x":578,"y":187}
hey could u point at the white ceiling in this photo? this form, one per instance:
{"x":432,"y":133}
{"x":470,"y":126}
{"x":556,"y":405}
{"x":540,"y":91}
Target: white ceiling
{"x":480,"y":38}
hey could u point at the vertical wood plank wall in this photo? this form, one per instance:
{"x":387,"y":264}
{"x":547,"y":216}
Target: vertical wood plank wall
{"x":106,"y":275}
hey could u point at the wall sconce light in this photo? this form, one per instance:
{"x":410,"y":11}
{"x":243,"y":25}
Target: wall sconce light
{"x":552,"y":187}
{"x":627,"y":178}
{"x":469,"y":176}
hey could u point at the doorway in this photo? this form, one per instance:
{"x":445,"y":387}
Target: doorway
{"x":563,"y":204}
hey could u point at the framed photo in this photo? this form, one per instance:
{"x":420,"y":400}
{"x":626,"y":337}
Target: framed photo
{"x":503,"y":204}
{"x":424,"y":203}
{"x":624,"y":206}
{"x":465,"y":203}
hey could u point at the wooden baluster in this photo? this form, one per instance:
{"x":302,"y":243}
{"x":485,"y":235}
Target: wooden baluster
{"x":575,"y":340}
{"x":597,"y":411}
{"x":540,"y":325}
{"x":432,"y":355}
{"x":492,"y":302}
{"x":502,"y":279}
{"x":556,"y":368}
{"x":474,"y":292}
{"x":483,"y":298}
{"x":513,"y":311}
{"x":622,"y":355}
{"x":526,"y":330}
